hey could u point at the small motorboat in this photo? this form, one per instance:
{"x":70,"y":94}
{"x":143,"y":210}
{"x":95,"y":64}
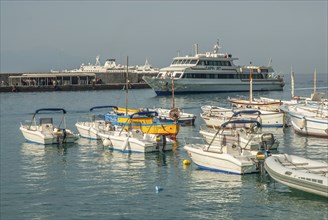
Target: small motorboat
{"x":227,"y":156}
{"x":299,"y":173}
{"x":135,"y":141}
{"x":147,"y":122}
{"x":89,"y":127}
{"x":247,"y":138}
{"x":308,"y":120}
{"x":45,"y":132}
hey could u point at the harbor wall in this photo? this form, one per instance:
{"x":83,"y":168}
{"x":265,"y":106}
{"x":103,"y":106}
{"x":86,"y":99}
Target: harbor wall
{"x":115,"y":80}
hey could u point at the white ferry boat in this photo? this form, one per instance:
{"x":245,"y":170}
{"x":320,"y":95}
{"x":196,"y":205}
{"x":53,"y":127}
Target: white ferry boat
{"x":110,"y":66}
{"x":212,"y":72}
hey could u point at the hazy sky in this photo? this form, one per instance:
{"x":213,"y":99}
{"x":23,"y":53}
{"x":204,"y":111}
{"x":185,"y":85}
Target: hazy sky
{"x":44,"y":35}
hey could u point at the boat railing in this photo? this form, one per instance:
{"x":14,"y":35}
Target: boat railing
{"x":31,"y":124}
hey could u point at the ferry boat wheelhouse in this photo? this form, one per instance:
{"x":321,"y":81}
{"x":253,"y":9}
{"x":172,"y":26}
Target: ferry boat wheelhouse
{"x":212,"y":72}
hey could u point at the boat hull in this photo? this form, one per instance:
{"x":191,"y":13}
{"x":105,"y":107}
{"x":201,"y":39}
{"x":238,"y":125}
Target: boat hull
{"x":87,"y":130}
{"x":38,"y":137}
{"x":190,"y":86}
{"x":122,"y":142}
{"x":299,"y":177}
{"x":221,"y":162}
{"x":309,"y":125}
{"x":273,"y":119}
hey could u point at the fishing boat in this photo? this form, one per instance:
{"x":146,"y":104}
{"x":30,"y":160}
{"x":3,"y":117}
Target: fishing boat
{"x":171,"y":115}
{"x":309,"y":122}
{"x":248,"y":139}
{"x":89,"y":127}
{"x":299,"y":173}
{"x":212,"y":72}
{"x":147,"y":122}
{"x":44,"y":131}
{"x":224,"y":156}
{"x":214,"y":116}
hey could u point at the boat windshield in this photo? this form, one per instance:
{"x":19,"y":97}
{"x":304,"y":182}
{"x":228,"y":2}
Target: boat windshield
{"x":184,"y":61}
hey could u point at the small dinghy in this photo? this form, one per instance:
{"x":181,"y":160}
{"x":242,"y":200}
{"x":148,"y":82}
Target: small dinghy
{"x":299,"y":173}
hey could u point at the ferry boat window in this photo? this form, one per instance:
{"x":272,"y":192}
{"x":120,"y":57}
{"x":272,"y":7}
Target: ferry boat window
{"x":201,"y":62}
{"x":187,"y":61}
{"x":174,"y":61}
{"x":193,"y":62}
{"x":177,"y":75}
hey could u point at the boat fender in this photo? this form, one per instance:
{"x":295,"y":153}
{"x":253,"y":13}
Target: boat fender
{"x":303,"y":122}
{"x":125,"y":144}
{"x":107,"y":142}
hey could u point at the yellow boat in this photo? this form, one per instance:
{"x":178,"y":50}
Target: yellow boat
{"x":145,"y":121}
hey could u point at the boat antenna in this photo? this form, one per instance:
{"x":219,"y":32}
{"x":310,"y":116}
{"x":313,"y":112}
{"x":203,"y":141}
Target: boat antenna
{"x":97,"y":61}
{"x":292,"y":81}
{"x":126,"y":85}
{"x":173,"y":103}
{"x":251,"y":83}
{"x":270,"y":62}
{"x":216,"y":47}
{"x":315,"y":81}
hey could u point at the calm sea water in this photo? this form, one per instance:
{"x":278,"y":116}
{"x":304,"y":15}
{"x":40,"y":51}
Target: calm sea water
{"x":87,"y":181}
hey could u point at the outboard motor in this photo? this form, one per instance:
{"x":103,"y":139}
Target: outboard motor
{"x":160,"y":142}
{"x":267,"y":139}
{"x":266,"y":143}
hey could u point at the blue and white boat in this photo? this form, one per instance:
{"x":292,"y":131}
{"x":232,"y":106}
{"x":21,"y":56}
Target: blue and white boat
{"x":44,"y":131}
{"x":310,"y":121}
{"x":225,"y":155}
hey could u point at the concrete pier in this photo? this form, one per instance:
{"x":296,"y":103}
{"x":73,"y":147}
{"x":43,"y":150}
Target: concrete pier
{"x":41,"y":82}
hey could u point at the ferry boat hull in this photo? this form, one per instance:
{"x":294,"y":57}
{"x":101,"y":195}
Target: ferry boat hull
{"x":192,"y":86}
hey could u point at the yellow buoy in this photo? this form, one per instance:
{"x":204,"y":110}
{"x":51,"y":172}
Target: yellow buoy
{"x":186,"y":162}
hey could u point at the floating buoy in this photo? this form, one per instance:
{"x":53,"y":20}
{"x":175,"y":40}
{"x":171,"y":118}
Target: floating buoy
{"x":186,"y":162}
{"x":158,"y":188}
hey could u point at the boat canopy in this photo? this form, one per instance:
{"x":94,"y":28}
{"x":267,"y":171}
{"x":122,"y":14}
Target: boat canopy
{"x":104,"y":106}
{"x":50,"y":110}
{"x":248,"y":112}
{"x":258,"y":124}
{"x":144,"y":113}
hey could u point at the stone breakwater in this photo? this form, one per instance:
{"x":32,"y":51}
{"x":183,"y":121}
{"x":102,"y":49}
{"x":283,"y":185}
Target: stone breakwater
{"x":34,"y":82}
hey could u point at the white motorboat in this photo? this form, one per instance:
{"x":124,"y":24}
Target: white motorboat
{"x":45,"y":132}
{"x":135,"y":141}
{"x":308,"y":122}
{"x":299,"y":173}
{"x":224,"y":156}
{"x":248,"y":139}
{"x":89,"y":128}
{"x":215,"y":116}
{"x":212,"y":72}
{"x":259,"y":104}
